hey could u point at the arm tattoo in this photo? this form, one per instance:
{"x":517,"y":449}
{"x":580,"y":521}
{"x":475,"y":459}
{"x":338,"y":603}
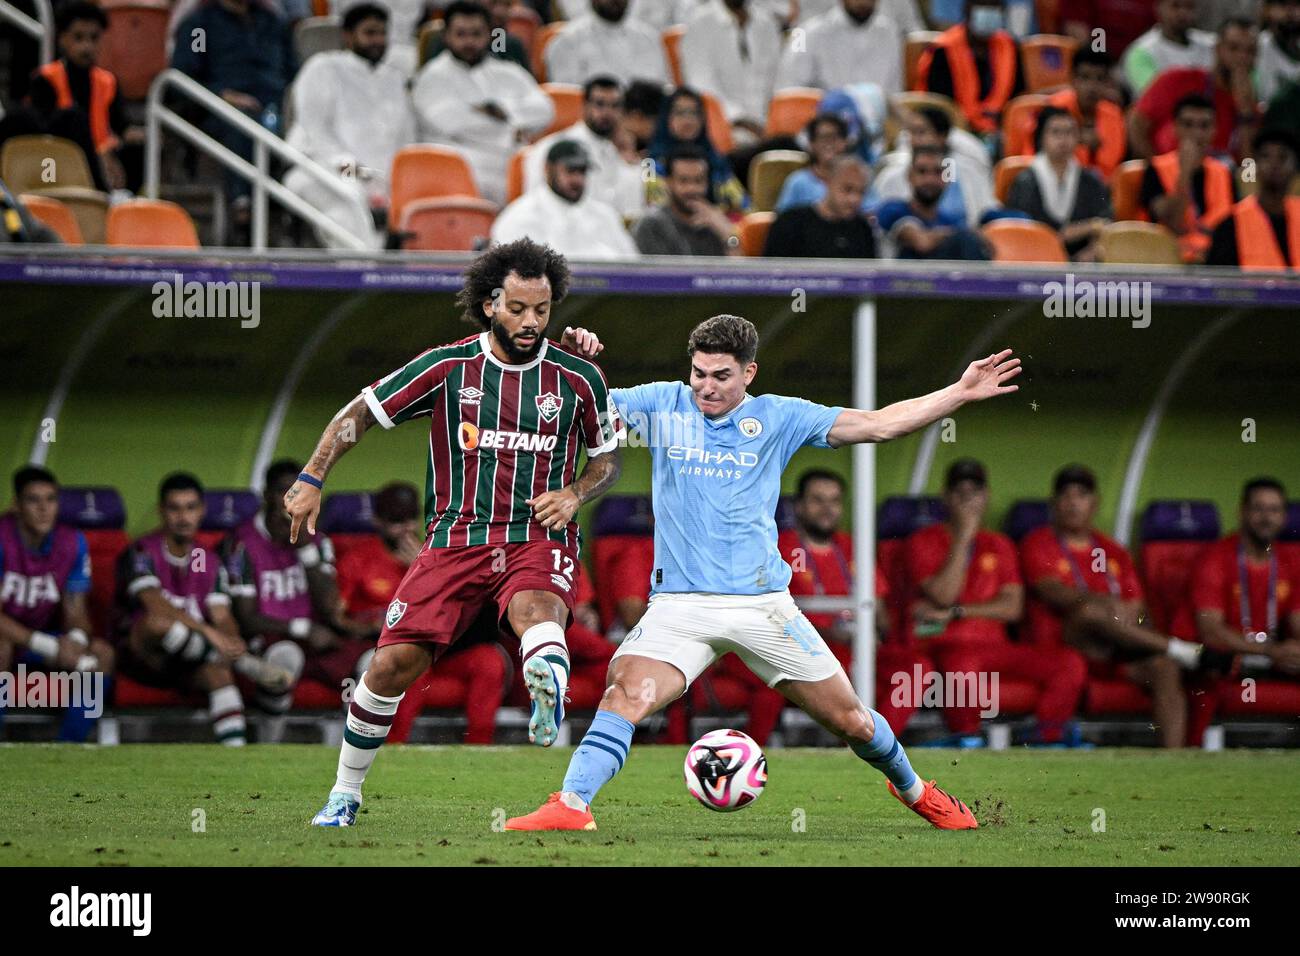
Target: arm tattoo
{"x":344,"y":431}
{"x":598,"y":475}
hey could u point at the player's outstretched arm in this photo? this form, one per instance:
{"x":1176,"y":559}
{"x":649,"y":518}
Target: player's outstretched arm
{"x":982,"y":379}
{"x":302,"y":501}
{"x":555,"y":509}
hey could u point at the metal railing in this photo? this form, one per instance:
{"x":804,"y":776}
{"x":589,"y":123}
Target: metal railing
{"x":41,"y":29}
{"x":265,"y":145}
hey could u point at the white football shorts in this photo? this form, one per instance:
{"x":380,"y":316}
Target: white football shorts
{"x":767,"y":631}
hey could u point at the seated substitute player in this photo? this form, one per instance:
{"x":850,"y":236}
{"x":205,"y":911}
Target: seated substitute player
{"x":368,"y":577}
{"x":44,"y":580}
{"x":1245,"y":595}
{"x":966,"y":590}
{"x":508,"y":412}
{"x":182,"y":633}
{"x":719,"y":582}
{"x":1085,"y":597}
{"x":286,"y":601}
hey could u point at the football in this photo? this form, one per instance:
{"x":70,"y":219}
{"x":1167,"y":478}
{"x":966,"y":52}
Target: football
{"x":726,"y":770}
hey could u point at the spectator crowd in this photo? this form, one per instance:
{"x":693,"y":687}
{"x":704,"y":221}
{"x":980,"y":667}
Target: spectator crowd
{"x":849,"y":129}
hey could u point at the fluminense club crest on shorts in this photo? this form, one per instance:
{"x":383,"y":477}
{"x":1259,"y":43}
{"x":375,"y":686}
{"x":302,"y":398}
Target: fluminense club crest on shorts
{"x":549,"y":405}
{"x":395,"y":612}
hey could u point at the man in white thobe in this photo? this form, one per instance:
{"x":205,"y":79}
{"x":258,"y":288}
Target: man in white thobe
{"x":610,"y":178}
{"x":732,"y":49}
{"x":351,"y":115}
{"x":559,"y":213}
{"x":607,"y":42}
{"x":857,"y":41}
{"x":403,"y":24}
{"x":477,"y":103}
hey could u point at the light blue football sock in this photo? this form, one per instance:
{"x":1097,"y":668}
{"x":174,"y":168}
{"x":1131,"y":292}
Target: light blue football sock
{"x":600,"y":755}
{"x":886,"y":754}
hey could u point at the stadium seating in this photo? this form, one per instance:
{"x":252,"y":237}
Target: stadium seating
{"x":316,"y":35}
{"x":896,"y":518}
{"x":1173,"y":534}
{"x":1024,"y":516}
{"x":427,"y":39}
{"x":672,"y":38}
{"x":540,"y":42}
{"x":914,"y":99}
{"x":347,"y":517}
{"x":790,"y":110}
{"x":1047,"y":61}
{"x":523,"y":22}
{"x":567,"y":99}
{"x":225,"y":510}
{"x":515,"y":175}
{"x":39,"y":163}
{"x":423,"y":172}
{"x":1142,"y":243}
{"x":913,"y":47}
{"x":151,"y":224}
{"x":767,"y":173}
{"x":134,"y":48}
{"x":753,"y":232}
{"x":717,"y":124}
{"x":447,"y":223}
{"x":1019,"y":240}
{"x":621,"y":523}
{"x":1125,"y":187}
{"x":1005,"y":173}
{"x":1018,"y":120}
{"x":100,"y":514}
{"x":54,"y":214}
{"x":1290,"y":538}
{"x":88,"y":206}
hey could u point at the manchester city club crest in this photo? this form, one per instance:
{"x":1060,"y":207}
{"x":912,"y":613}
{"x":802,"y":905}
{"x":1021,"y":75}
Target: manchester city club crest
{"x":750,"y":427}
{"x":395,"y":612}
{"x":549,"y":405}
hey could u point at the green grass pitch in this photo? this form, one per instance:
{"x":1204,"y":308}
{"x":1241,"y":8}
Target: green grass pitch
{"x":143,"y":805}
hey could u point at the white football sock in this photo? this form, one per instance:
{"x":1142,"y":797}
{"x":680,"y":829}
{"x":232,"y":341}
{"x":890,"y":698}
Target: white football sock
{"x":369,"y":719}
{"x":547,"y":639}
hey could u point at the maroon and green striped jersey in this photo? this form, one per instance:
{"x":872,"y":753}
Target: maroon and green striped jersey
{"x":498,"y":435}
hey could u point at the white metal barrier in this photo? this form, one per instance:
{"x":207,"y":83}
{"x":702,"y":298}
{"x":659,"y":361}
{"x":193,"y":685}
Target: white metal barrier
{"x":41,"y":29}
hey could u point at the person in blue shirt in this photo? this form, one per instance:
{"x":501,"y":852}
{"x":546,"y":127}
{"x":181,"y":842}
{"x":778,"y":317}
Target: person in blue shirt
{"x":919,"y":227}
{"x":828,"y":139}
{"x":719,"y":583}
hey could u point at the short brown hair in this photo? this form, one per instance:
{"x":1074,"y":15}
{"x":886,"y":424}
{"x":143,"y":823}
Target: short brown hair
{"x":725,"y":334}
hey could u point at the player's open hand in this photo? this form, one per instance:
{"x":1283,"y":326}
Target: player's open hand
{"x":554,"y":509}
{"x":302,"y":503}
{"x":582,"y":341}
{"x":989,"y":376}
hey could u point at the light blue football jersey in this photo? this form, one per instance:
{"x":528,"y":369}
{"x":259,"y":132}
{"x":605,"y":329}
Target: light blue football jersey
{"x":716,"y":483}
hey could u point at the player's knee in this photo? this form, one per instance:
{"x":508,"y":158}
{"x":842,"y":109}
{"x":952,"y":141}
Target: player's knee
{"x":393,"y":669}
{"x":626,"y":700}
{"x":853,"y":724}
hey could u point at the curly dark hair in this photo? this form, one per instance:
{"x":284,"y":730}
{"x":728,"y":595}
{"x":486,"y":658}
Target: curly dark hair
{"x":523,"y":257}
{"x":725,"y":334}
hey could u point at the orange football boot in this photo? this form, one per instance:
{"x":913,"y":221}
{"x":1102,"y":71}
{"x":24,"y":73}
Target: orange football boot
{"x":944,"y":811}
{"x":554,"y":814}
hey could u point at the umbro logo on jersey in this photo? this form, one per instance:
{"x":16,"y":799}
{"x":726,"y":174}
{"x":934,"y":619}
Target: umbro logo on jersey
{"x":471,"y":437}
{"x":549,"y":405}
{"x":470,"y":395}
{"x":560,"y":581}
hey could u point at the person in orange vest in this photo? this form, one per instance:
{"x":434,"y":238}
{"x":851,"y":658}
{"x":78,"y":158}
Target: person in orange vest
{"x":1187,"y":189}
{"x":1103,"y":140}
{"x":77,"y":99}
{"x":1263,"y":230}
{"x":977,"y":64}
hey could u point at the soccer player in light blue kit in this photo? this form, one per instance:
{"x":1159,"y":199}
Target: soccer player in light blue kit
{"x":719,"y":584}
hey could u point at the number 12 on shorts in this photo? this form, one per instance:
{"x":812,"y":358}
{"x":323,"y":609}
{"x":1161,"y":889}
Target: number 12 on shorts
{"x":563,"y":563}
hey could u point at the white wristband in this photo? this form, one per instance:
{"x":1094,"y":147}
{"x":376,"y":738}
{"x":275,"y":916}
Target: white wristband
{"x":87,"y":662}
{"x":309,"y":555}
{"x":44,"y":645}
{"x":78,"y":635}
{"x":299,"y":628}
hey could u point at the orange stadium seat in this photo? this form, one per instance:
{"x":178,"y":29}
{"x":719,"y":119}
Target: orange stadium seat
{"x":1047,"y":60}
{"x":753,"y":232}
{"x":515,"y":175}
{"x":134,"y":48}
{"x":1126,"y":187}
{"x":1144,"y":243}
{"x":1005,"y":173}
{"x":88,"y":206}
{"x":568,"y":105}
{"x":540,"y":42}
{"x":1018,"y":119}
{"x":913,"y":47}
{"x":715,"y":121}
{"x":151,"y":224}
{"x":523,"y":22}
{"x":447,"y":223}
{"x":55,"y":215}
{"x":1019,"y":240}
{"x":672,"y":38}
{"x":790,"y":110}
{"x":423,"y":172}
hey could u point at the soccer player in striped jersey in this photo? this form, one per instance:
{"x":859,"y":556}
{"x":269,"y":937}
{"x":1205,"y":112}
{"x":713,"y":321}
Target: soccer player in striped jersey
{"x":719,"y":583}
{"x":508,"y":414}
